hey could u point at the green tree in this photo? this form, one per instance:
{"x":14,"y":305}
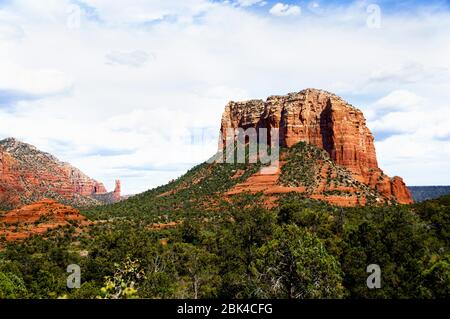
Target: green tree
{"x":295,"y":264}
{"x":239,"y":239}
{"x":190,"y":231}
{"x":437,"y":278}
{"x":160,"y":273}
{"x":198,"y":269}
{"x":12,"y":286}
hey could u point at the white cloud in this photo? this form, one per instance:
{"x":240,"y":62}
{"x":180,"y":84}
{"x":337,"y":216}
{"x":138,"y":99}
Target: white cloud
{"x":410,"y":72}
{"x":38,"y":82}
{"x":135,"y":123}
{"x":248,"y":3}
{"x":415,"y":158}
{"x":417,"y":137}
{"x":134,"y":58}
{"x":399,"y":122}
{"x":143,"y":11}
{"x":399,"y":100}
{"x":282,"y":10}
{"x":315,"y":7}
{"x":406,"y":112}
{"x":10,"y":30}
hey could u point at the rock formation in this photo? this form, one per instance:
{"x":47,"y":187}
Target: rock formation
{"x":111,"y":197}
{"x":28,"y":175}
{"x":116,"y":194}
{"x":38,"y":218}
{"x":325,"y":120}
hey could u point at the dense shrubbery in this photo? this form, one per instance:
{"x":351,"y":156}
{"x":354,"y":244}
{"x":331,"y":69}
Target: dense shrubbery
{"x":304,"y":249}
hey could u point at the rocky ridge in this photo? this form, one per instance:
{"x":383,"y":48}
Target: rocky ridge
{"x":28,"y":175}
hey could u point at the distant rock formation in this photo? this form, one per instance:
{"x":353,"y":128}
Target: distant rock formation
{"x":111,"y":197}
{"x":325,"y":120}
{"x":116,"y":194}
{"x":28,"y":175}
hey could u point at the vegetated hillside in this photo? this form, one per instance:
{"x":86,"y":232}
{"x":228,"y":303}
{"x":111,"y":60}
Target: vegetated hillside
{"x":201,"y":189}
{"x":421,"y":193}
{"x":304,"y":169}
{"x":301,"y":249}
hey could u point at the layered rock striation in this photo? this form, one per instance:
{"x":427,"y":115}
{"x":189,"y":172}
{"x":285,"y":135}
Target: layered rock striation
{"x":322,"y":119}
{"x":28,"y":175}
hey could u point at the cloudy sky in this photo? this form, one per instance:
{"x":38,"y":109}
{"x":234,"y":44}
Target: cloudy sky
{"x":135,"y":89}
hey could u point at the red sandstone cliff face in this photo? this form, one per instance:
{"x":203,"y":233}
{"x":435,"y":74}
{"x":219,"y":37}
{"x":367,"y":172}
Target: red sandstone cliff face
{"x":28,"y":175}
{"x":326,"y":121}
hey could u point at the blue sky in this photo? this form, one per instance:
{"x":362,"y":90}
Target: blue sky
{"x":135,"y":89}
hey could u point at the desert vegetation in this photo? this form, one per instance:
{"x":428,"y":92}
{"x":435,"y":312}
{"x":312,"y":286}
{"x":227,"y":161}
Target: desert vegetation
{"x":302,"y":249}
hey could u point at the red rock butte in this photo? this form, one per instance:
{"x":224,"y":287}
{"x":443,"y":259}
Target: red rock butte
{"x":325,"y":120}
